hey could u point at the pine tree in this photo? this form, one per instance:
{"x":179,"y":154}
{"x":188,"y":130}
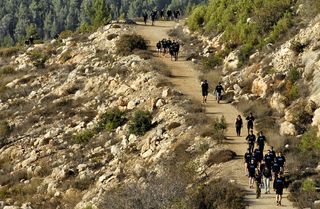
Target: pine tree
{"x":102,"y":13}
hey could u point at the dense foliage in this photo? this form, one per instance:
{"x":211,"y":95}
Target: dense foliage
{"x":249,"y":23}
{"x":45,"y":18}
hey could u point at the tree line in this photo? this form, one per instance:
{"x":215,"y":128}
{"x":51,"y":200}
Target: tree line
{"x":20,"y":19}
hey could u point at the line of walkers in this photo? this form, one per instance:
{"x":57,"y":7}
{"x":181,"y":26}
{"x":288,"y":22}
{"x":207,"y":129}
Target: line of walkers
{"x":262,"y":169}
{"x":155,"y":15}
{"x":166,"y":45}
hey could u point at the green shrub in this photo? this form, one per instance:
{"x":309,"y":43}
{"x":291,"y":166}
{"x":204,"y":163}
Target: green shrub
{"x":127,"y":43}
{"x":209,"y":63}
{"x":281,"y":27}
{"x":220,"y":124}
{"x":293,"y":75}
{"x":308,"y":185}
{"x":84,"y":136}
{"x":111,"y":120}
{"x":140,"y":123}
{"x":38,"y":58}
{"x":310,"y":141}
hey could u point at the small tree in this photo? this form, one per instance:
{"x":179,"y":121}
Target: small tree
{"x":102,"y":13}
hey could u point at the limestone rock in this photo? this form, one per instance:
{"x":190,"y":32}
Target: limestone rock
{"x":277,"y":102}
{"x":287,"y":128}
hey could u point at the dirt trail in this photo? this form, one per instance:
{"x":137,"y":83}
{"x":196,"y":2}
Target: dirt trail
{"x":185,"y":79}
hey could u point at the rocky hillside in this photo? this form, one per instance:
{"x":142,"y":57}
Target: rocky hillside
{"x":279,"y":84}
{"x":79,"y":122}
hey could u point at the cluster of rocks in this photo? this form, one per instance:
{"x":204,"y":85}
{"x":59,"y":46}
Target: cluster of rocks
{"x":68,"y":97}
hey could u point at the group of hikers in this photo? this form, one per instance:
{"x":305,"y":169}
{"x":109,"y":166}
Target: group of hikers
{"x":166,"y":45}
{"x":261,"y":169}
{"x":205,"y":91}
{"x":155,"y":14}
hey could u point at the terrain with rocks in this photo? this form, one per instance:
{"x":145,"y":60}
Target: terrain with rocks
{"x":53,"y":97}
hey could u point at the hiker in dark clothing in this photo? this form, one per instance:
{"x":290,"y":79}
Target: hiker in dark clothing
{"x":250,"y":119}
{"x":145,"y":18}
{"x":275,"y":169}
{"x":280,"y":159}
{"x":279,"y":184}
{"x":261,"y":141}
{"x":268,"y":159}
{"x":247,"y":159}
{"x":162,"y":14}
{"x":176,"y":14}
{"x":252,"y":166}
{"x":169,"y":14}
{"x":153,"y":16}
{"x":218,"y":92}
{"x":251,"y":139}
{"x":159,"y":47}
{"x":257,"y":155}
{"x":205,"y":91}
{"x":239,"y":124}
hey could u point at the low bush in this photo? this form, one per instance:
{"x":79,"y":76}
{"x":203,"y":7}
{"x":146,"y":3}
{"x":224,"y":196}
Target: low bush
{"x":293,"y":75}
{"x":197,"y":119}
{"x":209,"y":63}
{"x":197,"y":18}
{"x":140,"y":123}
{"x":127,"y":43}
{"x":84,"y":136}
{"x":219,"y":194}
{"x":220,"y":124}
{"x":160,"y":67}
{"x":220,"y":156}
{"x":111,"y":119}
{"x":7,"y":70}
{"x":112,"y":36}
{"x":66,"y":34}
{"x":8,"y":52}
{"x":5,"y":129}
{"x":38,"y":58}
{"x":297,"y":47}
{"x":143,"y":54}
{"x":303,"y":193}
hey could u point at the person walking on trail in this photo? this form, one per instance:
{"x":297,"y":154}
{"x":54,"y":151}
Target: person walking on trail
{"x":261,"y":140}
{"x":280,"y":159}
{"x":251,"y":139}
{"x":267,"y":176}
{"x":145,"y":18}
{"x":205,"y":90}
{"x":218,"y":91}
{"x":250,"y":119}
{"x":169,"y":14}
{"x":251,"y":173}
{"x":268,"y":159}
{"x":239,"y":125}
{"x":153,"y":16}
{"x":272,"y":153}
{"x":159,"y":47}
{"x":279,"y":184}
{"x":257,"y":155}
{"x":162,"y":14}
{"x":258,"y":180}
{"x":275,"y":169}
{"x":247,"y":159}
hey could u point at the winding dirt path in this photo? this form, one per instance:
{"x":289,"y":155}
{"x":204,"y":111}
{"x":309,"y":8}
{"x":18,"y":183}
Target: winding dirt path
{"x":185,"y":79}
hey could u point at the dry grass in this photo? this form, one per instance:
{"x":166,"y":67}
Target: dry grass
{"x":143,"y":54}
{"x":160,"y":67}
{"x":8,"y":52}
